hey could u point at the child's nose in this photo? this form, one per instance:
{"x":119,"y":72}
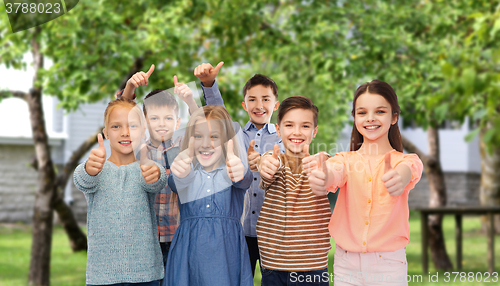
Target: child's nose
{"x":206,"y":142}
{"x":126,"y":132}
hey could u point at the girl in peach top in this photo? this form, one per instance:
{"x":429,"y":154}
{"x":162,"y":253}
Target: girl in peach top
{"x":370,"y":221}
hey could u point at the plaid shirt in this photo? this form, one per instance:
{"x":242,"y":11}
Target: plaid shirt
{"x":166,"y":202}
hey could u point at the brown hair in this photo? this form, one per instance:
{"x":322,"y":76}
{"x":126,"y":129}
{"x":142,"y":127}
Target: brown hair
{"x":385,"y":90}
{"x":122,"y":102}
{"x":160,"y":98}
{"x":263,"y":80}
{"x":212,"y":113}
{"x":295,"y":102}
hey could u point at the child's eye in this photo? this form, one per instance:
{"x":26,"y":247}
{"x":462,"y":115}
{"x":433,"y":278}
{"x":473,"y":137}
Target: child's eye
{"x":197,"y":136}
{"x":115,"y":127}
{"x":133,"y":126}
{"x":380,"y":111}
{"x":170,"y":118}
{"x":215,"y":137}
{"x":306,"y":126}
{"x":288,"y":125}
{"x":266,"y":99}
{"x":153,"y":118}
{"x":361,"y":113}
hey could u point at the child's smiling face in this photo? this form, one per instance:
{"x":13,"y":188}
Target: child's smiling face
{"x":296,"y":130}
{"x":124,"y":130}
{"x":373,"y":117}
{"x":260,"y":102}
{"x":162,"y":122}
{"x":207,"y":143}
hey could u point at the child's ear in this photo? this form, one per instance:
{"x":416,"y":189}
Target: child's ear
{"x":315,"y":131}
{"x":394,"y":119}
{"x":276,"y":105}
{"x":244,"y":106}
{"x":278,"y":130}
{"x":178,"y":123}
{"x":105,"y":132}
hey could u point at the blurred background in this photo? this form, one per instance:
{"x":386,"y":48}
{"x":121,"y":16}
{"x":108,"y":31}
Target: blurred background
{"x":441,"y":57}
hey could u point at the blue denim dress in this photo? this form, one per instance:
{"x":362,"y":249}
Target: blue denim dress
{"x":209,"y":247}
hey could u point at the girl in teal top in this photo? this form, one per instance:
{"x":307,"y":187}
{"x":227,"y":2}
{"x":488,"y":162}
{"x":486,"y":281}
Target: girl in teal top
{"x":122,"y":235}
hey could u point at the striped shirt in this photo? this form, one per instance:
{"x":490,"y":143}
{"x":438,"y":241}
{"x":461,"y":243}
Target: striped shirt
{"x":292,"y":229}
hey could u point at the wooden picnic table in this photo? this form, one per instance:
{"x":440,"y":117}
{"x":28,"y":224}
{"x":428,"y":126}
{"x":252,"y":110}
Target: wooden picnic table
{"x":459,"y":212}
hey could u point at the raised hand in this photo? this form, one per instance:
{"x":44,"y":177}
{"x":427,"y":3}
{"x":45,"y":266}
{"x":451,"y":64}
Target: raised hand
{"x":253,"y":157}
{"x":235,"y":169}
{"x":150,"y":170}
{"x":319,"y":176}
{"x":207,"y":73}
{"x":97,"y":158}
{"x":183,"y":91}
{"x":141,"y":78}
{"x":392,"y":179}
{"x":309,"y":162}
{"x":269,"y":164}
{"x":182,"y":163}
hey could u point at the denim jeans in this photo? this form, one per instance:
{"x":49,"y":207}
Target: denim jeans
{"x":151,"y":283}
{"x":294,"y":278}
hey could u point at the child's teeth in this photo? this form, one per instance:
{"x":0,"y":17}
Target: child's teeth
{"x":371,"y":127}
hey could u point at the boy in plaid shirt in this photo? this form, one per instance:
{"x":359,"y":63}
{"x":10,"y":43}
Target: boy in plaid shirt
{"x":162,"y":115}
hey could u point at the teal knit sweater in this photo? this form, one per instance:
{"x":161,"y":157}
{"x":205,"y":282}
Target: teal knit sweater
{"x":121,"y":225}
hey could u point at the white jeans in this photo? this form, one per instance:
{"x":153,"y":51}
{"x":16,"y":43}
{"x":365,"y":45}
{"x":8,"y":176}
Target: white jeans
{"x":370,"y":268}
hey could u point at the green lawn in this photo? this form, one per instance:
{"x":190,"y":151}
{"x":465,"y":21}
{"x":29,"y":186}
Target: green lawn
{"x":68,"y":268}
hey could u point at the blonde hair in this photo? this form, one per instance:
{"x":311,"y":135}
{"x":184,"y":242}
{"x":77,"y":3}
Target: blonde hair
{"x":212,"y":113}
{"x":123,"y":102}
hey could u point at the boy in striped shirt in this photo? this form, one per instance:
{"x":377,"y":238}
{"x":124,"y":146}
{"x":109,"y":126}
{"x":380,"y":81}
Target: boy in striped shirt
{"x":292,"y":229}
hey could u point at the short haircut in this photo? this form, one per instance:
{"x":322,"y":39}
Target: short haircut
{"x":122,"y":102}
{"x":160,"y":98}
{"x":300,"y":102}
{"x":263,"y":80}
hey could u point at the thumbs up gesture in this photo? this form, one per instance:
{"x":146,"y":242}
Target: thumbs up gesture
{"x":207,"y":73}
{"x":138,"y":79}
{"x":253,"y":157}
{"x":392,"y":179}
{"x":182,"y":163}
{"x":150,"y":170}
{"x":269,"y":164}
{"x":182,"y":90}
{"x":97,"y":158}
{"x":319,"y":175}
{"x":235,"y":169}
{"x":309,"y":162}
{"x":141,"y":78}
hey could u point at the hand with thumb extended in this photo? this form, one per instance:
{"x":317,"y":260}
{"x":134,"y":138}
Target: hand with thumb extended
{"x":182,"y":163}
{"x":253,"y":157}
{"x":150,"y":171}
{"x":318,"y":178}
{"x":207,"y":73}
{"x":141,"y":78}
{"x":182,"y":90}
{"x":97,"y":158}
{"x":270,"y":164}
{"x":392,"y":179}
{"x":309,"y":162}
{"x":235,"y":169}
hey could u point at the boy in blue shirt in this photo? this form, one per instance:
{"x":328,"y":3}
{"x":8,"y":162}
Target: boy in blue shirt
{"x":260,"y":100}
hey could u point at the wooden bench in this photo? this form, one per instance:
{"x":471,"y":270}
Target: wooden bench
{"x":459,"y":212}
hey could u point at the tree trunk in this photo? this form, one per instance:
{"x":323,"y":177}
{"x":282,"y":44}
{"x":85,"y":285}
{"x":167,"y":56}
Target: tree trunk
{"x":39,"y":273}
{"x":437,"y":198}
{"x":489,"y":192}
{"x":437,"y":192}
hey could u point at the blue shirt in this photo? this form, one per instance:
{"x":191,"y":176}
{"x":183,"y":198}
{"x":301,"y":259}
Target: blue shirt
{"x":265,"y":138}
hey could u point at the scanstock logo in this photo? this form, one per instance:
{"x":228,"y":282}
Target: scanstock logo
{"x":25,"y":14}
